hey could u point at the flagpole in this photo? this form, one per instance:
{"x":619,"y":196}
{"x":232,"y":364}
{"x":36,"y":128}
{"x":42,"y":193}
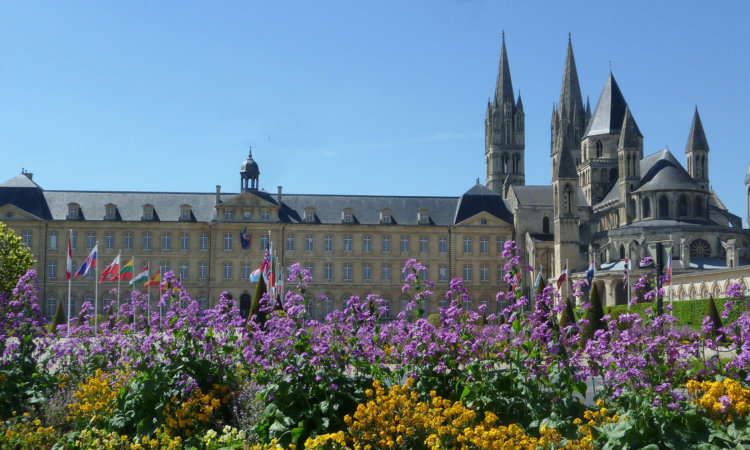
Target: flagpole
{"x":271,"y":283}
{"x":69,"y":271}
{"x":117,"y":314}
{"x":96,"y":290}
{"x":567,"y":280}
{"x":627,"y":272}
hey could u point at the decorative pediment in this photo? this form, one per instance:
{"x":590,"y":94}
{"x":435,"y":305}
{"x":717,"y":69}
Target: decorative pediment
{"x":485,"y":220}
{"x":247,"y":200}
{"x":11,"y":213}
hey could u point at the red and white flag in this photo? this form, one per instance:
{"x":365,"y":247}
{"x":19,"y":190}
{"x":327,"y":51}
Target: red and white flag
{"x":69,"y":263}
{"x":112,"y":269}
{"x":563,"y":276}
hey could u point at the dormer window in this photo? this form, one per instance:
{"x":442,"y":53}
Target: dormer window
{"x":228,"y":214}
{"x":185,"y":213}
{"x":309,"y":214}
{"x":347,"y":215}
{"x":423,"y":216}
{"x":385,"y":216}
{"x":148,"y":212}
{"x":110,"y":212}
{"x":74,"y":211}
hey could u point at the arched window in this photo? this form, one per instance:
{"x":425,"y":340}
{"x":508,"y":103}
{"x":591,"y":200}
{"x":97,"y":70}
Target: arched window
{"x":599,"y":149}
{"x":646,"y":207}
{"x":683,"y":206}
{"x":663,"y":206}
{"x":545,"y":225}
{"x":698,"y":206}
{"x":612,"y":174}
{"x":632,"y":207}
{"x":622,"y":252}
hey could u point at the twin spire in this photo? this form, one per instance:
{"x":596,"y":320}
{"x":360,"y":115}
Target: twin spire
{"x":504,"y":85}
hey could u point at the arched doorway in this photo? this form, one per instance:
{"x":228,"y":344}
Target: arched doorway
{"x":621,"y":294}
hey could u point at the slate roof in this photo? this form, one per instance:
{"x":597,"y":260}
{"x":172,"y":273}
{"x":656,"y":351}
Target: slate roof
{"x":697,"y":137}
{"x":542,"y":196}
{"x":566,"y":168}
{"x":630,"y":133}
{"x":504,"y":85}
{"x":609,"y":112}
{"x":662,"y":171}
{"x":25,"y":194}
{"x":479,"y":198}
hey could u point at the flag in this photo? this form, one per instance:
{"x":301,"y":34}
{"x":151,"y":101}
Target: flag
{"x":245,"y":239}
{"x":255,"y":276}
{"x":272,"y":278}
{"x":88,"y":263}
{"x":126,"y":272}
{"x":563,"y":276}
{"x":69,"y":263}
{"x":669,"y":269}
{"x":625,"y":275}
{"x":112,"y":269}
{"x":155,"y":280}
{"x":590,"y":274}
{"x":140,"y":278}
{"x":265,"y":266}
{"x":538,"y":279}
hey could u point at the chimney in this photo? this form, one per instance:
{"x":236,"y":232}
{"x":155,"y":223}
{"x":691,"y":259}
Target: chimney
{"x":29,"y":175}
{"x":218,"y":194}
{"x":278,"y":197}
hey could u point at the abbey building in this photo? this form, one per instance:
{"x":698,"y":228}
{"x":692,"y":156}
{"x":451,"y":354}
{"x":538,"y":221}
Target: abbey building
{"x":607,"y":199}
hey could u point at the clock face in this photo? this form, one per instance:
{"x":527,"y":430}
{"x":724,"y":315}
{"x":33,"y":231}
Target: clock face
{"x":246,"y":214}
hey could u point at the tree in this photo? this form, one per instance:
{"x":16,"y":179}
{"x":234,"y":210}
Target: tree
{"x":594,"y":315}
{"x":260,"y":290}
{"x":59,"y":318}
{"x":15,"y":259}
{"x":713,"y":314}
{"x":568,"y":316}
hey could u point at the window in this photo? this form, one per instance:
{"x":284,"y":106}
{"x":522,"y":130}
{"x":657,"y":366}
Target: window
{"x":147,"y":241}
{"x":202,"y":271}
{"x":366,"y":272}
{"x":328,"y":243}
{"x":403,"y":274}
{"x":443,"y":273}
{"x":203,"y":241}
{"x":203,"y":302}
{"x":73,"y":240}
{"x":484,"y":272}
{"x":424,"y":217}
{"x":348,"y":243}
{"x":443,"y":303}
{"x":386,"y":244}
{"x":484,"y":245}
{"x":53,"y":240}
{"x":309,"y":267}
{"x":246,"y":271}
{"x":385,"y":216}
{"x":467,"y":272}
{"x":111,"y":212}
{"x":386,"y":311}
{"x":265,"y":215}
{"x":424,"y":274}
{"x":310,"y":243}
{"x":443,"y":245}
{"x":264,"y":239}
{"x":184,"y":241}
{"x":166,"y":241}
{"x":52,"y":270}
{"x":467,"y":304}
{"x":646,"y":207}
{"x":228,"y":242}
{"x":127,"y":241}
{"x":51,"y":306}
{"x":183,"y":271}
{"x":73,"y":212}
{"x":367,"y":244}
{"x":185,"y":213}
{"x":228,"y":214}
{"x":164,"y":268}
{"x":424,"y":244}
{"x":404,"y":244}
{"x":227,"y":271}
{"x":485,"y":302}
{"x":290,"y":242}
{"x":500,"y":273}
{"x":148,"y":213}
{"x":385,"y":274}
{"x":545,"y":225}
{"x":327,"y":306}
{"x":347,"y":272}
{"x":328,"y":271}
{"x":309,"y":215}
{"x":347,"y":216}
{"x":90,"y":239}
{"x":109,"y":240}
{"x":500,"y":245}
{"x":467,"y":245}
{"x":27,"y":238}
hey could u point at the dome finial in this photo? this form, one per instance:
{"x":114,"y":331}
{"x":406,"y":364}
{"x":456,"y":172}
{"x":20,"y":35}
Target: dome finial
{"x":250,"y":152}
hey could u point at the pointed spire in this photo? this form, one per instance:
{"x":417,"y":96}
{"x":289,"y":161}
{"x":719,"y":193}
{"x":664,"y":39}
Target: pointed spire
{"x":588,"y":109}
{"x":570,"y":93}
{"x":504,"y":85}
{"x":519,"y":103}
{"x":747,"y":177}
{"x":609,"y":112}
{"x":697,"y":138}
{"x":566,"y":168}
{"x":630,"y":133}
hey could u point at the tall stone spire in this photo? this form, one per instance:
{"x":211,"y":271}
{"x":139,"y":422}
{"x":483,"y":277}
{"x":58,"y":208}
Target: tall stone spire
{"x":504,"y":85}
{"x":696,"y":151}
{"x":697,"y":137}
{"x":570,"y":93}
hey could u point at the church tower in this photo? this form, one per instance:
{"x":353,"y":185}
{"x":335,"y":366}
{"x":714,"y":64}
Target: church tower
{"x":504,"y":133}
{"x":598,"y":171}
{"x":565,"y":206}
{"x":696,"y":151}
{"x":629,"y":155}
{"x":569,"y":118}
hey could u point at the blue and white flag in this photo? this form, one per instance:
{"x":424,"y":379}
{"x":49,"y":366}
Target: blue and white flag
{"x":89,"y":263}
{"x":590,"y":274}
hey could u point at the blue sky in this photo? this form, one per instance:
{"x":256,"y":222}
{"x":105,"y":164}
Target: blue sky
{"x":347,"y":97}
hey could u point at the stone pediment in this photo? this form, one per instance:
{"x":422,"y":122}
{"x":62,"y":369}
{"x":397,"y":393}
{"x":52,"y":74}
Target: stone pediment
{"x":485,"y":220}
{"x":11,"y":213}
{"x":247,"y":200}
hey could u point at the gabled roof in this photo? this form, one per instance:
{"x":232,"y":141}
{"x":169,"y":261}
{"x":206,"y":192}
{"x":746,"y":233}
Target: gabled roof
{"x":479,"y":198}
{"x":697,"y":137}
{"x":20,"y":181}
{"x":566,"y":168}
{"x":23,"y":193}
{"x":662,"y":171}
{"x":609,"y":112}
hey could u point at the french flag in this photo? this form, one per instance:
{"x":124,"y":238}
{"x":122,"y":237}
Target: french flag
{"x":89,"y":263}
{"x":669,"y":269}
{"x":590,"y":274}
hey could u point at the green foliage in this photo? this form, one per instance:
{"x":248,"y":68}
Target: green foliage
{"x":260,"y":289}
{"x":713,"y":314}
{"x":689,"y":313}
{"x":59,"y":318}
{"x":594,"y":315}
{"x":15,"y":259}
{"x":434,"y":320}
{"x":568,"y":316}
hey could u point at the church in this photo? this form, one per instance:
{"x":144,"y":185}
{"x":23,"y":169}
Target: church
{"x":606,"y":201}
